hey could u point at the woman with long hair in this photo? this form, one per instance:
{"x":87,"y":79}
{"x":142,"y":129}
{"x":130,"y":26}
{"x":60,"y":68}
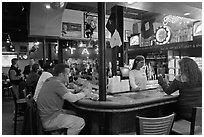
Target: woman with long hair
{"x":189,"y":84}
{"x":137,"y":75}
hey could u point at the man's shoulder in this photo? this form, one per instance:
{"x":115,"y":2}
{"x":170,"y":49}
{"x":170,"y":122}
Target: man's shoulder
{"x":45,"y":73}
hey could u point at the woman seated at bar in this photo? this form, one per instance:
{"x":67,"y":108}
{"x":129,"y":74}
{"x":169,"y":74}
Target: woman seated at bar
{"x":137,"y":75}
{"x":189,"y":84}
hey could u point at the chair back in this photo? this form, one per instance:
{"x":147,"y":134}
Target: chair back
{"x":196,"y":119}
{"x":154,"y":126}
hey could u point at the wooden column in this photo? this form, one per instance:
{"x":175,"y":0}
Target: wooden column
{"x":44,"y":51}
{"x":102,"y":51}
{"x":102,"y":61}
{"x":49,"y":51}
{"x":117,"y":52}
{"x":60,"y":51}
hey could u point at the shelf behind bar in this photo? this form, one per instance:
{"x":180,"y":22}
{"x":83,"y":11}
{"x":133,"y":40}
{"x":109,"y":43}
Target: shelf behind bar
{"x":171,"y":46}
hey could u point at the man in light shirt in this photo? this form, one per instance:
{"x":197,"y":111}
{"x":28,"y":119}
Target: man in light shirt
{"x":47,"y":73}
{"x":51,"y":99}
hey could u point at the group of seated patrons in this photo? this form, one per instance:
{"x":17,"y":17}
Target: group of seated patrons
{"x":50,"y":87}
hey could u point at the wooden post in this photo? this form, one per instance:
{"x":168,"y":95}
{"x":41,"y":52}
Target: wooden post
{"x":102,"y":49}
{"x":44,"y":51}
{"x":117,"y":52}
{"x":60,"y":51}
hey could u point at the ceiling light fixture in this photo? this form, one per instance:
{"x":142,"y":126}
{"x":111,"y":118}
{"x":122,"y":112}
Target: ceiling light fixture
{"x":130,"y":2}
{"x":47,"y":6}
{"x":186,"y":14}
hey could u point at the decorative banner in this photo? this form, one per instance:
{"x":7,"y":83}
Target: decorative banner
{"x":111,"y":24}
{"x":147,"y":29}
{"x":71,"y":30}
{"x":115,"y":36}
{"x":115,"y":39}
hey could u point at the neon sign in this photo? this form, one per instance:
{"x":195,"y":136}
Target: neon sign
{"x":171,"y":19}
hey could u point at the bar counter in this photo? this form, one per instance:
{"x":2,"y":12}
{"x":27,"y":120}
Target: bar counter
{"x":117,"y":114}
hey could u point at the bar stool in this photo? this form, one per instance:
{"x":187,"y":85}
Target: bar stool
{"x":19,"y":104}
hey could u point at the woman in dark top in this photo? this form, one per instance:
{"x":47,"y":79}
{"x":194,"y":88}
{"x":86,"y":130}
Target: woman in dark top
{"x":189,"y":84}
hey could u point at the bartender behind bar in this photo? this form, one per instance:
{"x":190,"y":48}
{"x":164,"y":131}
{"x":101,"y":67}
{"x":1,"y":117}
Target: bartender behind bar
{"x":137,"y":75}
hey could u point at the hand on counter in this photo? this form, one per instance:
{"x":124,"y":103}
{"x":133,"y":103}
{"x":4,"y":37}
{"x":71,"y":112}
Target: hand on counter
{"x":136,"y":89}
{"x":160,"y":79}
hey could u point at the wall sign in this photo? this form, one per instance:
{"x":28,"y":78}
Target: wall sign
{"x":71,"y":30}
{"x":90,"y":25}
{"x":163,"y":35}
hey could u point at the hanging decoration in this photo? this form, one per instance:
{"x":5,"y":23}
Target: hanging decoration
{"x":34,"y":48}
{"x":163,"y":35}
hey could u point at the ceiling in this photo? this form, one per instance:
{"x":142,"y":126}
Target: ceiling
{"x":15,"y":15}
{"x":145,"y":9}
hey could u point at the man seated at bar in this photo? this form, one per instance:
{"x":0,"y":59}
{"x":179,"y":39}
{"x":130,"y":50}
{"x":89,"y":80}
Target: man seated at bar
{"x":47,"y":73}
{"x":189,"y":84}
{"x":32,"y":79}
{"x":50,"y":102}
{"x":137,"y":75}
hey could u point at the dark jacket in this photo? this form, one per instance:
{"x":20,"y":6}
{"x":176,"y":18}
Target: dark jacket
{"x":18,"y":73}
{"x":32,"y":123}
{"x":31,"y":82}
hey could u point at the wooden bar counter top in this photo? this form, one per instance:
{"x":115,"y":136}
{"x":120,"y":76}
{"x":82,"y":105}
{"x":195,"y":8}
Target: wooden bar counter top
{"x":117,"y":114}
{"x":128,"y":101}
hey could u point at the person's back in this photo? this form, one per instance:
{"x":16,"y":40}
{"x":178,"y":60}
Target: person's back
{"x":44,"y":76}
{"x":32,"y":79}
{"x":48,"y":70}
{"x":49,"y":99}
{"x":189,"y":98}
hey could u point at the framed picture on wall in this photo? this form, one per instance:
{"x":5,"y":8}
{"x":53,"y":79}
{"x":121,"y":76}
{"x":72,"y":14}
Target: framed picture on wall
{"x":90,"y":25}
{"x":128,"y":33}
{"x":71,"y":30}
